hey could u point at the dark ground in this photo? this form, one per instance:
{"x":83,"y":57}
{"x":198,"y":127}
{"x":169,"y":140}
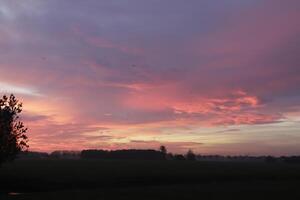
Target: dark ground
{"x":91,"y":179}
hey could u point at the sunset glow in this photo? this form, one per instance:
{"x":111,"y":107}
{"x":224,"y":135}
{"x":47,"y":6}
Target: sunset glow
{"x":217,"y":77}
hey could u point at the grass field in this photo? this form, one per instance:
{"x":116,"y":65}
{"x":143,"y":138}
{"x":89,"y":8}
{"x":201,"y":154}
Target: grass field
{"x":91,"y":179}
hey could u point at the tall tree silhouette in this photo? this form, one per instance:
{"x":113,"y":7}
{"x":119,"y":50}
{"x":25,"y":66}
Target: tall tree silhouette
{"x":13,"y":137}
{"x":163,"y":149}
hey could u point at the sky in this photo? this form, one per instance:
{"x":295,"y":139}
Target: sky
{"x":217,"y":77}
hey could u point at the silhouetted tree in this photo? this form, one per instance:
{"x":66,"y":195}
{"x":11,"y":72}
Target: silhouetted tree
{"x":12,"y":130}
{"x":190,"y":155}
{"x":163,"y":149}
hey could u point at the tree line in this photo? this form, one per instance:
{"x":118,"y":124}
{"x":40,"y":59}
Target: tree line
{"x":122,"y":154}
{"x":133,"y":154}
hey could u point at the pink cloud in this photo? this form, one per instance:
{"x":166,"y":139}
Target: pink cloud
{"x":123,"y":68}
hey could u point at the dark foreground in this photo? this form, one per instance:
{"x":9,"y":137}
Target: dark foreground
{"x":88,"y":179}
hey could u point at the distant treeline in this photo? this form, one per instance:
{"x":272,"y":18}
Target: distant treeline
{"x":129,"y":154}
{"x":132,"y":154}
{"x":138,"y":154}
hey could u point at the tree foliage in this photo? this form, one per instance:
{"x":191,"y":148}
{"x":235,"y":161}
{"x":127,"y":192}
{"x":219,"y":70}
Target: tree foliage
{"x":190,"y":155}
{"x":13,"y":137}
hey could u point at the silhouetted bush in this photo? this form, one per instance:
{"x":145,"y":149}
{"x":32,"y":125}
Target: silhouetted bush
{"x":169,"y":156}
{"x":270,"y":159}
{"x":65,"y":154}
{"x":179,"y":157}
{"x":33,"y":155}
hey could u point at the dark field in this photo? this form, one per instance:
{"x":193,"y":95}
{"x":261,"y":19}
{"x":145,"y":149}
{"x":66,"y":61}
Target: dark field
{"x":91,"y":179}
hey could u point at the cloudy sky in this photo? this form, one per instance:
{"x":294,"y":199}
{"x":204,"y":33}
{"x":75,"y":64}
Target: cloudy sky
{"x":218,"y":77}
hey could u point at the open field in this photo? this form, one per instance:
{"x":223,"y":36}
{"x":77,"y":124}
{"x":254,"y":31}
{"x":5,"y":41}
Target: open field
{"x":92,"y":179}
